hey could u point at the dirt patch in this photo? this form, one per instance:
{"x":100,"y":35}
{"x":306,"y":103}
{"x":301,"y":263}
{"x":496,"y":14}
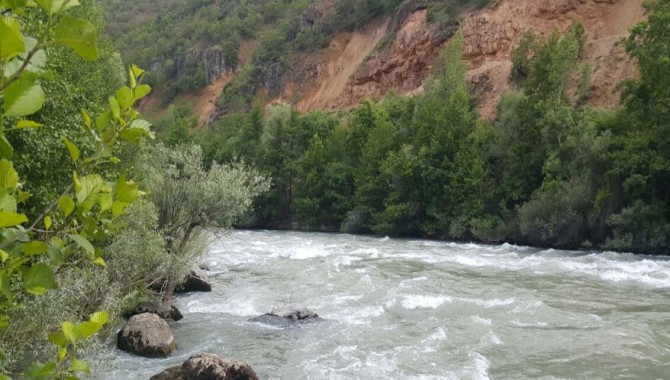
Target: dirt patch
{"x":492,"y":34}
{"x":205,"y":104}
{"x":347,"y":52}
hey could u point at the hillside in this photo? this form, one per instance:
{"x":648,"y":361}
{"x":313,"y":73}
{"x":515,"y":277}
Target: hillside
{"x":389,"y":49}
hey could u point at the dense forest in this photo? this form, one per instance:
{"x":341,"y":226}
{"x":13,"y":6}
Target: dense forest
{"x":84,"y":189}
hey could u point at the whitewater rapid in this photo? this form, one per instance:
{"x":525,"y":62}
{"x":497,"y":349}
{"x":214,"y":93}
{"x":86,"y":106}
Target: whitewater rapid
{"x":420,"y":309}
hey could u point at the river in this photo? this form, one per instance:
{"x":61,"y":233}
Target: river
{"x":421,"y":309}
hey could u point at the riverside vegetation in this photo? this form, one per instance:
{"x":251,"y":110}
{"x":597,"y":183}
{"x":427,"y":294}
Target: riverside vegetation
{"x":86,"y":240}
{"x":549,"y":171}
{"x":80,"y":240}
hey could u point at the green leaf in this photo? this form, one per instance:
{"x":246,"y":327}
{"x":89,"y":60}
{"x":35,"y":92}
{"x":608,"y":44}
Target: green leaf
{"x":115,"y":107}
{"x":126,"y":191}
{"x":15,"y":5}
{"x":79,"y":35}
{"x":74,"y":151}
{"x":84,"y":244}
{"x":141,"y":91}
{"x":39,"y":371}
{"x":9,"y":178}
{"x":35,"y":247}
{"x":124,"y":97}
{"x":86,"y":329}
{"x":66,"y":204}
{"x":69,"y":331}
{"x":24,"y":97}
{"x":79,"y":366}
{"x":89,"y":185}
{"x":23,"y":196}
{"x":11,"y":219}
{"x":11,"y":41}
{"x":100,"y":262}
{"x":137,"y":129}
{"x":100,"y":317}
{"x":7,"y":201}
{"x":3,"y":255}
{"x":87,"y":119}
{"x":56,"y":6}
{"x":105,"y":202}
{"x":28,"y":124}
{"x":118,"y":207}
{"x":47,"y":222}
{"x":5,"y":287}
{"x":39,"y":278}
{"x":4,"y":377}
{"x":137,"y":72}
{"x":6,"y":149}
{"x":57,"y":338}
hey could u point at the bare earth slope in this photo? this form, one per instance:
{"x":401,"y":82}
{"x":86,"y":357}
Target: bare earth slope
{"x":345,"y":76}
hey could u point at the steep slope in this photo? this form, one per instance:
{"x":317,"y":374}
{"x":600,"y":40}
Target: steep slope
{"x":490,"y":36}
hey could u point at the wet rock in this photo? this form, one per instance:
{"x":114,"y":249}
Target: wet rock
{"x":172,"y":373}
{"x":208,"y":367}
{"x":162,"y":309}
{"x":287,"y":317}
{"x":195,"y":281}
{"x":146,"y":335}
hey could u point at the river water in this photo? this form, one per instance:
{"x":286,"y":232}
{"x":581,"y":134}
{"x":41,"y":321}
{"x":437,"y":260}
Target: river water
{"x":420,"y":309}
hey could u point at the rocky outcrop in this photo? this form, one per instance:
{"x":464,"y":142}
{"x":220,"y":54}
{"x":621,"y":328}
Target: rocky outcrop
{"x":212,"y":60}
{"x":162,"y":309}
{"x":146,"y":335}
{"x":491,"y":35}
{"x":287,"y":317}
{"x":208,"y":367}
{"x":195,"y":281}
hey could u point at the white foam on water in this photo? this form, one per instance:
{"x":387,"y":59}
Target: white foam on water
{"x":479,"y":369}
{"x":412,"y":302}
{"x":366,"y":252}
{"x":488,"y":303}
{"x":360,"y":316}
{"x":240,"y":308}
{"x":480,"y":320}
{"x":304,"y":253}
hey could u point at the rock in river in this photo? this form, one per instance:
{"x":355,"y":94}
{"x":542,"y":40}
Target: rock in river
{"x":208,"y":367}
{"x":162,"y":309}
{"x":147,"y":335}
{"x":195,"y":281}
{"x":287,"y":316}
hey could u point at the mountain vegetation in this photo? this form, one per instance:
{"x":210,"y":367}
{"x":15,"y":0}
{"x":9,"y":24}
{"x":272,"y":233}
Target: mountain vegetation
{"x":92,"y":210}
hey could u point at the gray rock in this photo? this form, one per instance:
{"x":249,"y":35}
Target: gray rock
{"x":287,"y":317}
{"x":195,"y":281}
{"x":162,"y":309}
{"x":146,"y":335}
{"x":172,"y":373}
{"x":208,"y":367}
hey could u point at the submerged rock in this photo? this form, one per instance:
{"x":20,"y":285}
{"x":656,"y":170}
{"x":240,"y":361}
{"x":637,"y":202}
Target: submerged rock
{"x":162,"y":309}
{"x":287,"y":316}
{"x":147,"y":335}
{"x":208,"y":367}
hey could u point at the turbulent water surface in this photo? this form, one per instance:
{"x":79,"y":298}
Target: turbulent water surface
{"x":417,"y":309}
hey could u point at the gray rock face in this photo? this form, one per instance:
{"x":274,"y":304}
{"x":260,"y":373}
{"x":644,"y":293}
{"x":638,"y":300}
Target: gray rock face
{"x":208,"y":367}
{"x":195,"y":281}
{"x":211,"y":59}
{"x":163,"y":310}
{"x":146,"y":335}
{"x":287,"y":317}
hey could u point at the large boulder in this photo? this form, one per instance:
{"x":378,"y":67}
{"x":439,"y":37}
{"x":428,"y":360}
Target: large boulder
{"x":147,"y":335}
{"x":208,"y":367}
{"x":195,"y":281}
{"x":287,"y":317}
{"x":164,"y":310}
